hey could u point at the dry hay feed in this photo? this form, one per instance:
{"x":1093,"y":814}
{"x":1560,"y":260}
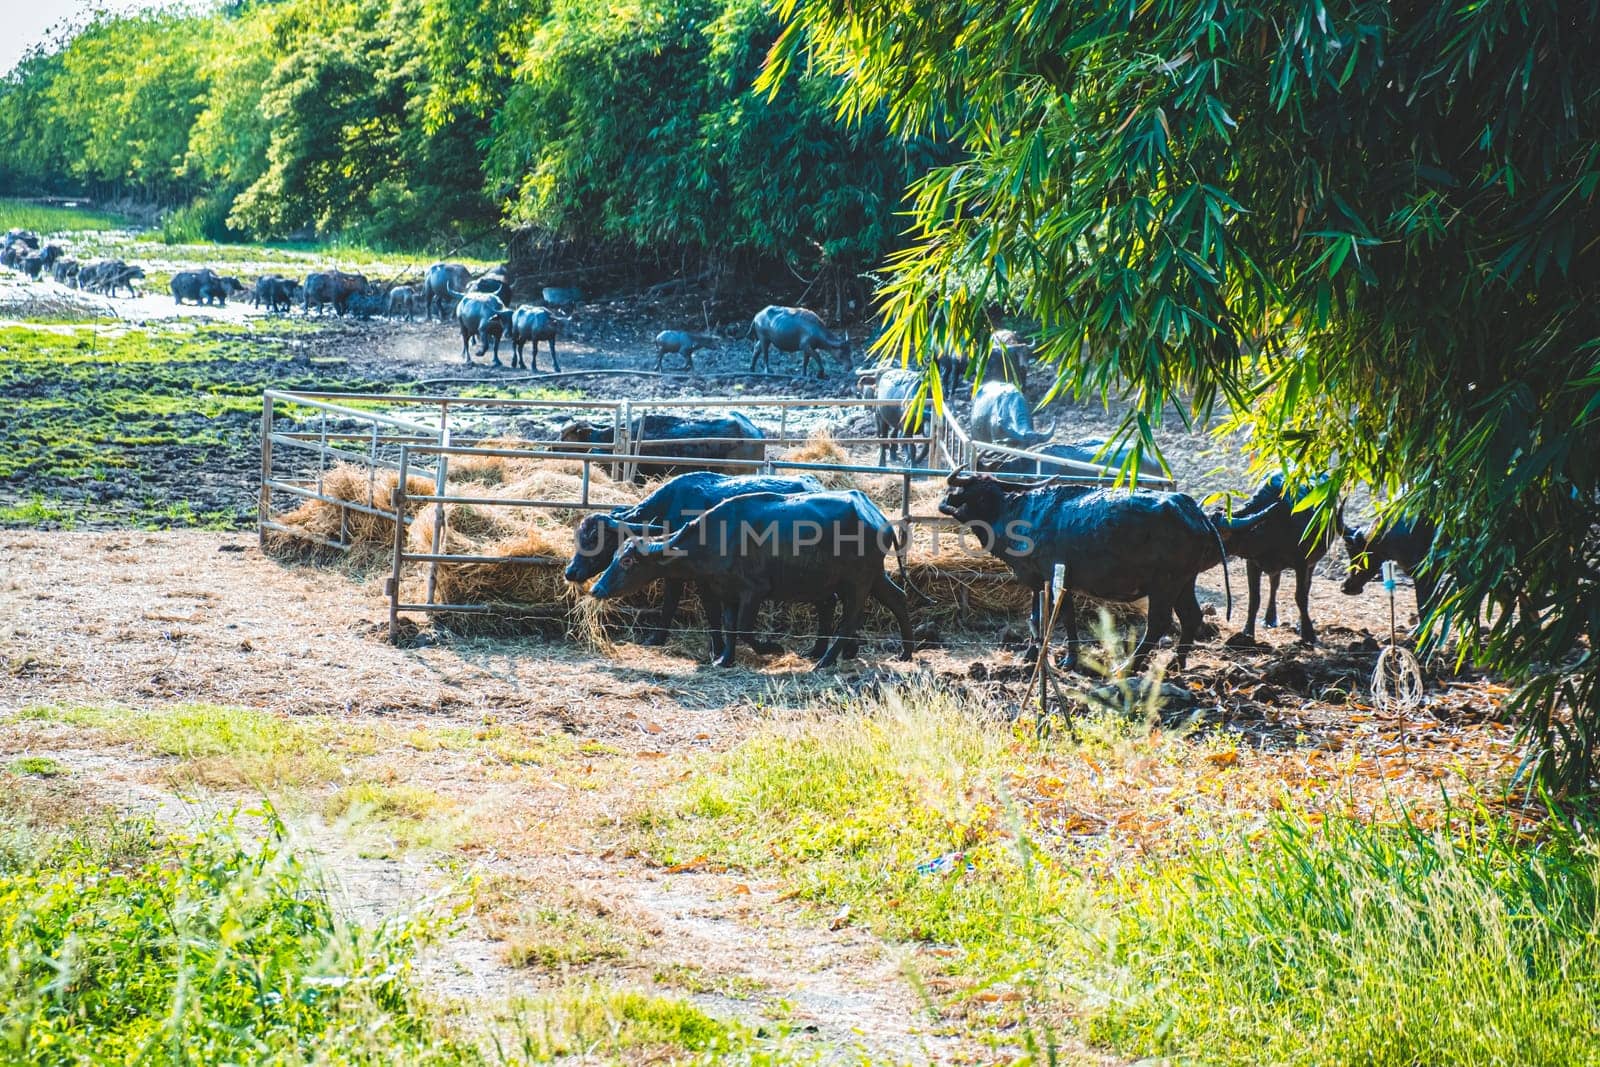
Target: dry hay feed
{"x":959,"y":582}
{"x":366,"y":534}
{"x":822,"y":448}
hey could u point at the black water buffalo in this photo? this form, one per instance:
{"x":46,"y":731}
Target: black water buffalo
{"x":442,"y":286}
{"x":1078,"y":459}
{"x":1001,"y":416}
{"x":34,"y":264}
{"x":483,"y":316}
{"x":535,"y":324}
{"x":1407,"y":542}
{"x":331,"y":288}
{"x":662,"y":435}
{"x":402,"y":301}
{"x":203,"y":286}
{"x":1115,"y":545}
{"x":275,"y":292}
{"x":900,"y":419}
{"x":65,"y":271}
{"x":109,"y":276}
{"x":683,"y":343}
{"x":1271,"y":537}
{"x":808,"y":549}
{"x":794,"y":330}
{"x":678,"y":502}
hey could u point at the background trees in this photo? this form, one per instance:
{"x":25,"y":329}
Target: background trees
{"x":632,"y":124}
{"x":1370,"y":227}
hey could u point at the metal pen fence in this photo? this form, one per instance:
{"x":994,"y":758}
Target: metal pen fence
{"x":420,"y":435}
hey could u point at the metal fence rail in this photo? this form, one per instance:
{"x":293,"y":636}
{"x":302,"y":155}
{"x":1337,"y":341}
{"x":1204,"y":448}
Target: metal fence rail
{"x":411,"y":444}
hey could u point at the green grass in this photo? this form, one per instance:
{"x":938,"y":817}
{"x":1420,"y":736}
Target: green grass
{"x":845,"y":807}
{"x":36,"y":511}
{"x":219,"y":747}
{"x":392,"y":818}
{"x":46,"y":219}
{"x":128,"y":947}
{"x":38,"y":767}
{"x":1360,"y":944}
{"x":1241,"y":938}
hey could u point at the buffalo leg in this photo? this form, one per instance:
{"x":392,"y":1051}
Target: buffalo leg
{"x":1189,"y":619}
{"x":1064,"y":595}
{"x":891,"y":596}
{"x":1271,"y":618}
{"x":745,"y":622}
{"x":466,"y":345}
{"x":854,"y":602}
{"x":1302,"y":600}
{"x":554,"y":362}
{"x":661,"y":354}
{"x":1252,"y":571}
{"x":711,"y":608}
{"x":669,"y":611}
{"x":1035,"y":647}
{"x":1156,"y":624}
{"x":730,"y":635}
{"x":758,"y":350}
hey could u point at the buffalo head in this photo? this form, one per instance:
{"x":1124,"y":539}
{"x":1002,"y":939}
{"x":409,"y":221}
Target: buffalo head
{"x":1362,"y":568}
{"x":586,"y":433}
{"x":636,"y":565}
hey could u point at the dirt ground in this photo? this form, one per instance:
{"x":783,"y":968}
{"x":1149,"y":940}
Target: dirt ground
{"x":150,"y":619}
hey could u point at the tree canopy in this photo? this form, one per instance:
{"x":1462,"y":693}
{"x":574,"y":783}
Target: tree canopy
{"x":1366,"y":232}
{"x":631,"y":124}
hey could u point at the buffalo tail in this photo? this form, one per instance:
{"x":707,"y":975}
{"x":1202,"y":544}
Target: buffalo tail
{"x":1227,"y":586}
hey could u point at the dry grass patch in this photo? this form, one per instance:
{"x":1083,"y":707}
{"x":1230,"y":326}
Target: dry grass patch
{"x":394,"y":817}
{"x":551,"y":925}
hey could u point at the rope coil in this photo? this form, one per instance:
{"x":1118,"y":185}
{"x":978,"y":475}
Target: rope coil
{"x":1397,"y":676}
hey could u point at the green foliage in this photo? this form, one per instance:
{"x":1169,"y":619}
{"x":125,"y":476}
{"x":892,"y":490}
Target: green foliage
{"x":633,"y":124}
{"x":1359,"y":944}
{"x":1371,"y":230}
{"x":209,"y":950}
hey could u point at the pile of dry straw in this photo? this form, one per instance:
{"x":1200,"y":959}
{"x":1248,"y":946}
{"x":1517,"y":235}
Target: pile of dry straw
{"x":954,"y":576}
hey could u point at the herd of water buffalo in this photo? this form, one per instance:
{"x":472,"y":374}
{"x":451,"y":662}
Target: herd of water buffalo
{"x":743,"y":540}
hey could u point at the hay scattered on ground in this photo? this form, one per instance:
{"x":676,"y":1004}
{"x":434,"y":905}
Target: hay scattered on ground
{"x":958,"y":579}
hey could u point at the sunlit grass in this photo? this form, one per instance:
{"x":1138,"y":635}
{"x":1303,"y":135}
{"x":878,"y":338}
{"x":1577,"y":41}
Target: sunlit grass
{"x":214,"y":746}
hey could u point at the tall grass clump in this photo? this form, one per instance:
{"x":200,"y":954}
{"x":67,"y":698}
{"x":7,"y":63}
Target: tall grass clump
{"x":202,"y":951}
{"x":1352,"y":943}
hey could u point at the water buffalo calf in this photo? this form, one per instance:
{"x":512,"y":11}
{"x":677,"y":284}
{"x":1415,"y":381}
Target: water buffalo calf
{"x":683,"y":343}
{"x":809,"y":548}
{"x":1273,"y":537}
{"x":534,"y":324}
